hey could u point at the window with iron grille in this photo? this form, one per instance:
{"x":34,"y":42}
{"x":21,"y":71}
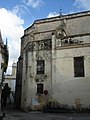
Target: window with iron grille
{"x":79,"y":66}
{"x":40,"y":66}
{"x":40,"y":88}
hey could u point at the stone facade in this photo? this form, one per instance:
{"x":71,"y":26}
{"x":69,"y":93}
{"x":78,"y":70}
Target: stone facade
{"x":18,"y":88}
{"x":3,"y":62}
{"x":56,"y":60}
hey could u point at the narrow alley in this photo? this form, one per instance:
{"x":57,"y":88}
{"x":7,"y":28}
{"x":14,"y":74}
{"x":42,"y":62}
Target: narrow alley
{"x":18,"y":115}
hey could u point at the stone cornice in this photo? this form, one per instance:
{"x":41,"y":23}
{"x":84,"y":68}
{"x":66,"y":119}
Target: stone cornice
{"x":52,"y":19}
{"x":73,"y":46}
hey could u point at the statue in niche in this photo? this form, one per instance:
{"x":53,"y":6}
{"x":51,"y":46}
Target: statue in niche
{"x":30,"y":47}
{"x":35,"y":46}
{"x":47,"y":44}
{"x":41,"y":45}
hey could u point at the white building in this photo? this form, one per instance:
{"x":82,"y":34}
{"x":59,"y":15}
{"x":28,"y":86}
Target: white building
{"x":55,"y":56}
{"x":11,"y":79}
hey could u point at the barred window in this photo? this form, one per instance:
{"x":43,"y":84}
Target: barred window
{"x":40,"y":88}
{"x":40,"y":66}
{"x":79,"y":66}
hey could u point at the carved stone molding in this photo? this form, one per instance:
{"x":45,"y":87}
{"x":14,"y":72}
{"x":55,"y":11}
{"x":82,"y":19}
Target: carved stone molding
{"x":39,"y":45}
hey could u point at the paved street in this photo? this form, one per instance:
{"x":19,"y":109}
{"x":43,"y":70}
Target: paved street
{"x":17,"y":115}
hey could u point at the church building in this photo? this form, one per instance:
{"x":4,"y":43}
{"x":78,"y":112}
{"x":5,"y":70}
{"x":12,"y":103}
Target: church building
{"x":54,"y":62}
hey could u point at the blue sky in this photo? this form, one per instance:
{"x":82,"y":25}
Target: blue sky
{"x":30,"y":10}
{"x":17,"y":15}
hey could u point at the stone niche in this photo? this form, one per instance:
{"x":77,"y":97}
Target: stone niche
{"x":40,"y":45}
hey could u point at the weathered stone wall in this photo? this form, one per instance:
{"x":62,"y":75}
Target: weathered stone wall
{"x":66,"y":87}
{"x":75,"y":25}
{"x":31,"y":77}
{"x":59,"y":77}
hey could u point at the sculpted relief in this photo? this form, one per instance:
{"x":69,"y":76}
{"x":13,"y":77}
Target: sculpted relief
{"x":40,"y":45}
{"x":61,"y":30}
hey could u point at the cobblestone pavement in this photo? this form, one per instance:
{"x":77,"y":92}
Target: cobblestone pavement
{"x":17,"y":115}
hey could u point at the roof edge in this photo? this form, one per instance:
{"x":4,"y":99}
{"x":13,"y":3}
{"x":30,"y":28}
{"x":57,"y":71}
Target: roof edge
{"x":78,"y":14}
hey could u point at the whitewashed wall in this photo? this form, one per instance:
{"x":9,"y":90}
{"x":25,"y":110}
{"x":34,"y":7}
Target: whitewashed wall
{"x":66,"y":87}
